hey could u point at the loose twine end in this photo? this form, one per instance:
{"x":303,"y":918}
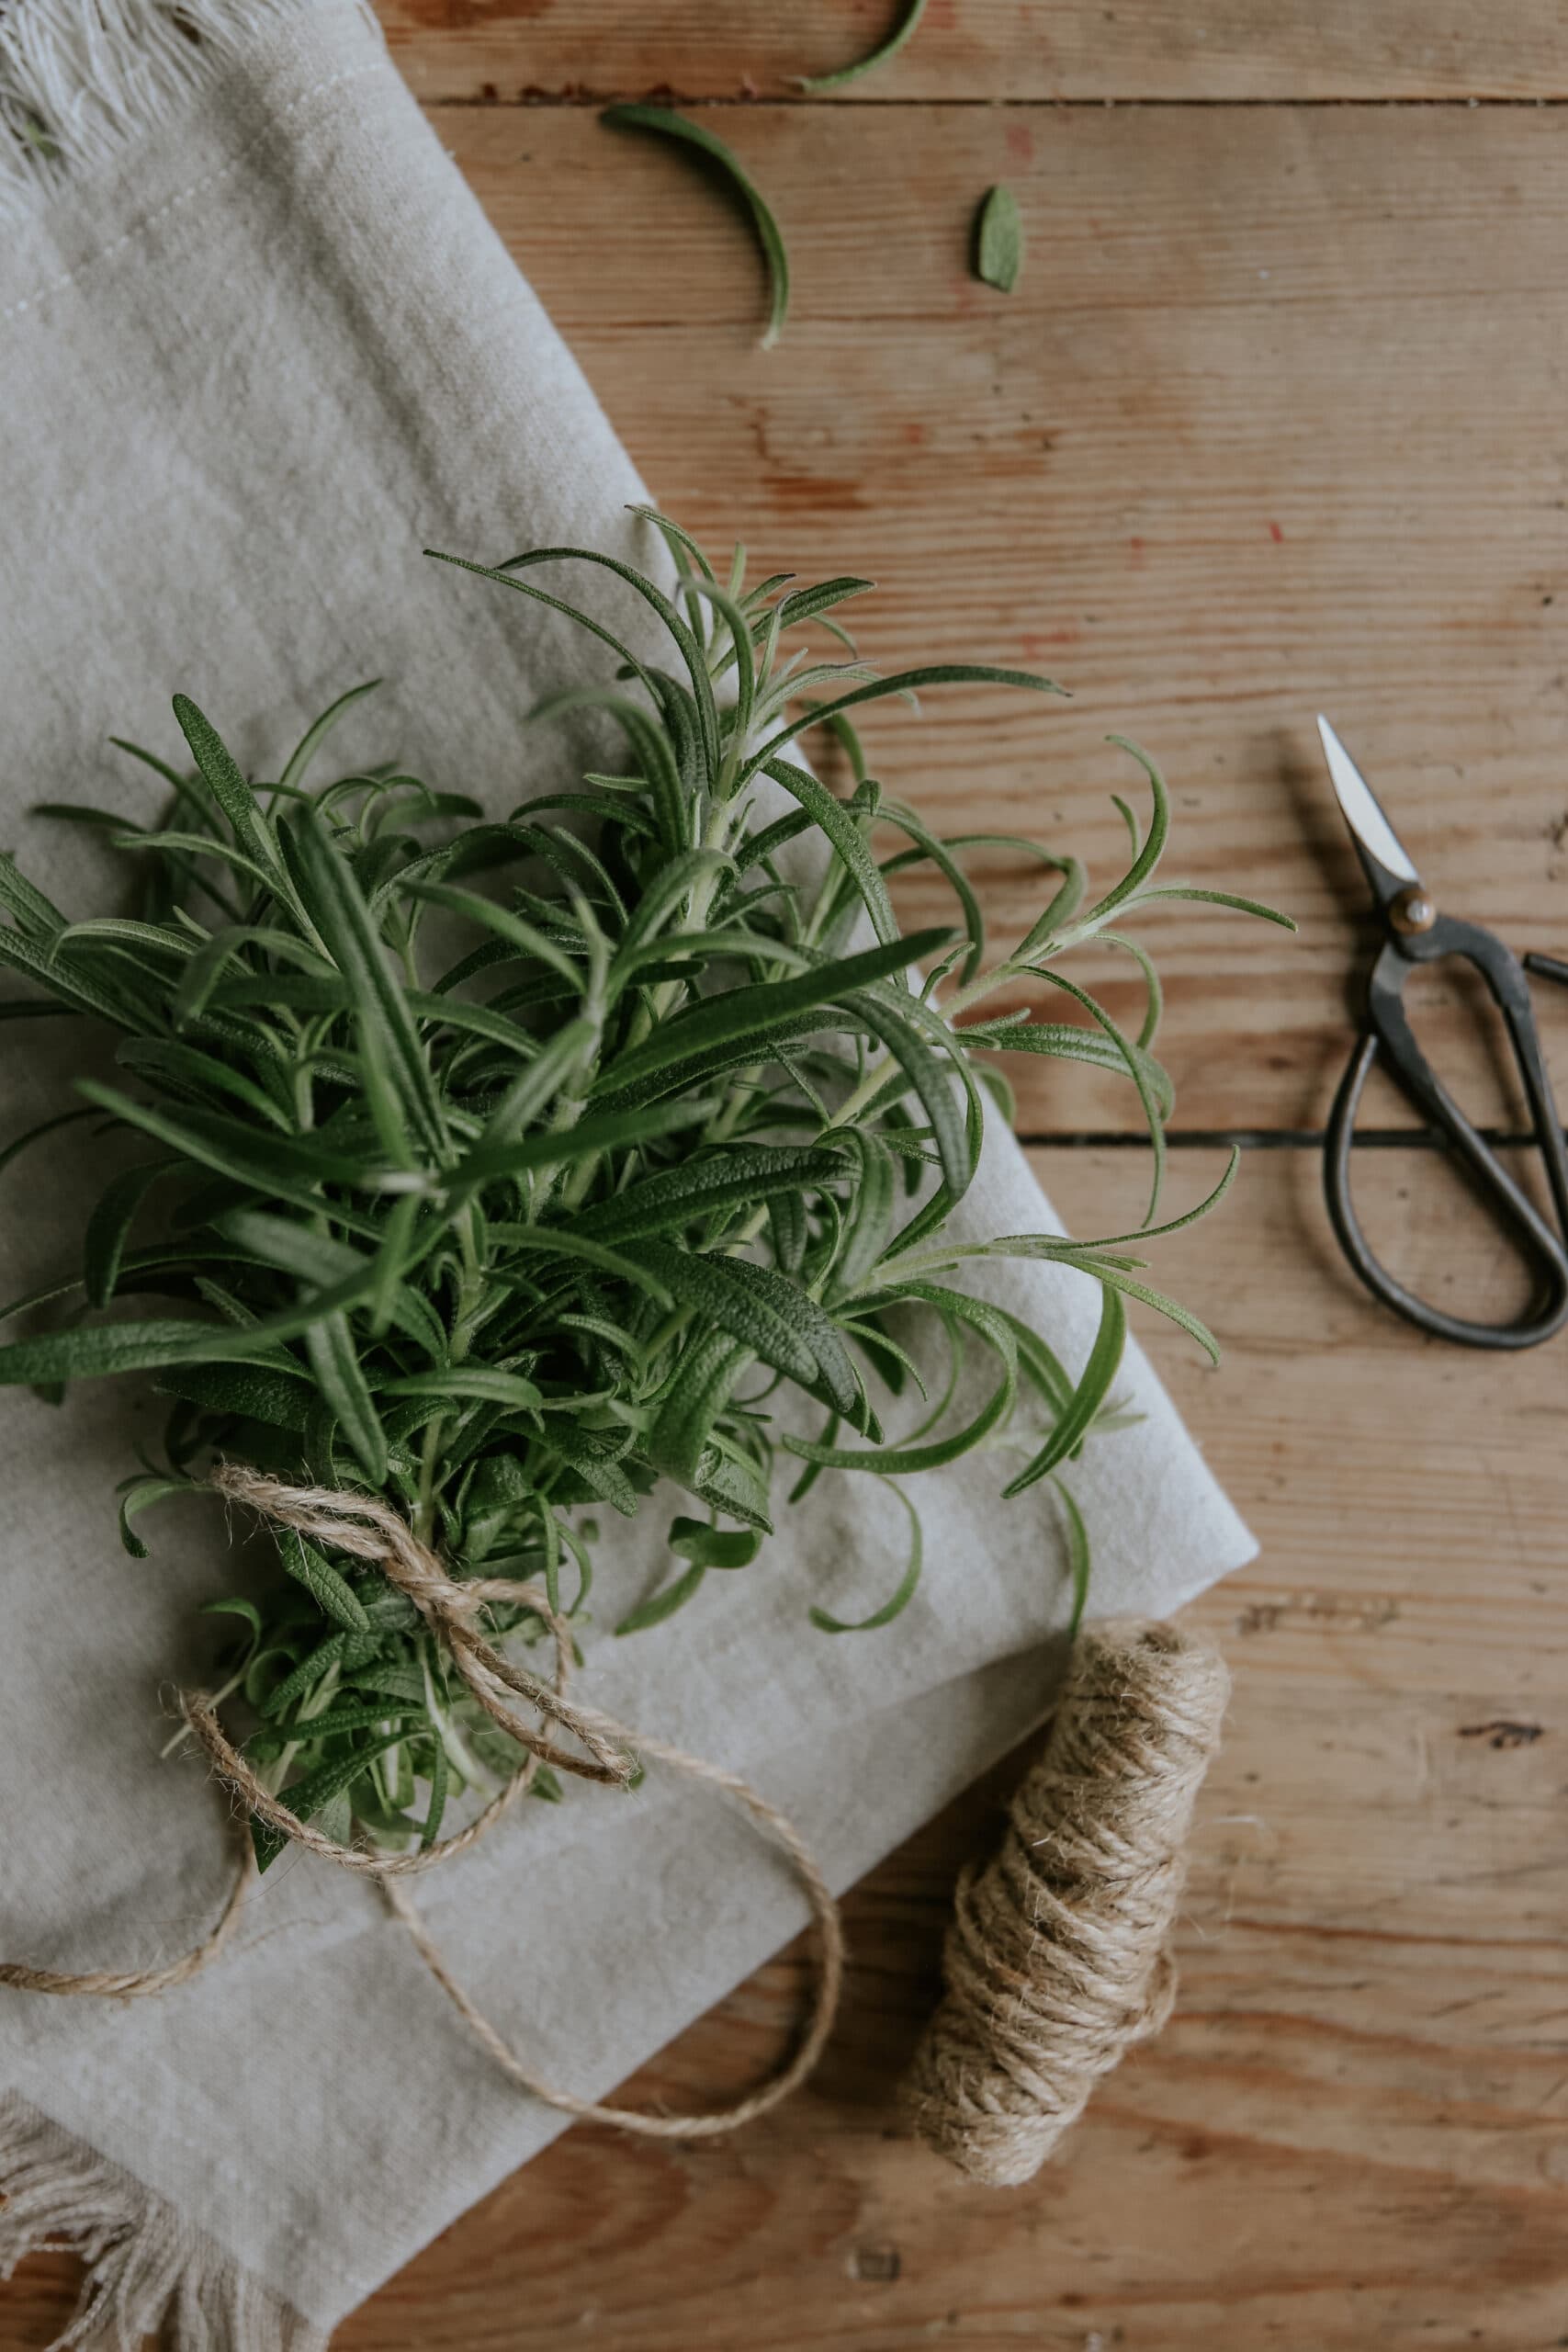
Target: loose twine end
{"x":1058,"y":1958}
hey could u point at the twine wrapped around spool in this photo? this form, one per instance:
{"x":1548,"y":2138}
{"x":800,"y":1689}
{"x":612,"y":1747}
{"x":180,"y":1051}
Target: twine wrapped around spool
{"x":1058,"y":1957}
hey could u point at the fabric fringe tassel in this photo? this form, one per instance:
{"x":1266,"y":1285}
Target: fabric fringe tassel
{"x":146,"y":2270}
{"x":81,"y":78}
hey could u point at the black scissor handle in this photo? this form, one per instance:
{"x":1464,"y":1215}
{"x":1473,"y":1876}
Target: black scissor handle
{"x":1390,"y":1034}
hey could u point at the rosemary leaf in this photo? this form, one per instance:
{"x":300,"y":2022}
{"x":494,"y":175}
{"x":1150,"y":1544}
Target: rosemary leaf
{"x":670,"y":125}
{"x":903,"y":31}
{"x":998,"y":239}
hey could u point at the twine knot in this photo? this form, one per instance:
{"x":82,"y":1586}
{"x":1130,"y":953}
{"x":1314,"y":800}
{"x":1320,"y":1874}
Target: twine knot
{"x":1057,"y":1960}
{"x":368,"y":1529}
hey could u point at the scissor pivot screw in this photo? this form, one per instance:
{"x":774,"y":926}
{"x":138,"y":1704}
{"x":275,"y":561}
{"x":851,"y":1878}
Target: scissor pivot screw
{"x":1412,"y":910}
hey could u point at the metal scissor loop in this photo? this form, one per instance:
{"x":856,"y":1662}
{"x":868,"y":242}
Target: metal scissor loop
{"x":1418,"y":935}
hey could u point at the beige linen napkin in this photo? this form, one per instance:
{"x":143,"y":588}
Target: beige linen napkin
{"x":257,"y":345}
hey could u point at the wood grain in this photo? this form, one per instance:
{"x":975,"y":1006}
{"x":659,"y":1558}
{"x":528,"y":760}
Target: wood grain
{"x":1273,"y":423}
{"x":1017,"y":50}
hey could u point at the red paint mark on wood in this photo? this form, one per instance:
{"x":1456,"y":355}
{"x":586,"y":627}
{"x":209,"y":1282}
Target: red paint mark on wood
{"x":815,"y":493}
{"x":1039,"y":642}
{"x":460,"y":16}
{"x":912,"y":434}
{"x":1139,"y":551}
{"x":1021,"y":141}
{"x":1276,"y":534}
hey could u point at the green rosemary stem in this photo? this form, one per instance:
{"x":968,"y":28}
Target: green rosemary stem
{"x":429,"y":1470}
{"x":316,"y":1703}
{"x":661,"y":1000}
{"x":983,"y":984}
{"x":565,"y":1116}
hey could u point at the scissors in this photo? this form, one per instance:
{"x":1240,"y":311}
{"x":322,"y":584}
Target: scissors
{"x":1414,"y":932}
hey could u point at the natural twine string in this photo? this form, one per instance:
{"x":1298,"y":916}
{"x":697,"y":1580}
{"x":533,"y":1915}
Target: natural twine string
{"x":1057,"y":1960}
{"x":129,"y":1984}
{"x":371,"y":1529}
{"x":368,"y":1529}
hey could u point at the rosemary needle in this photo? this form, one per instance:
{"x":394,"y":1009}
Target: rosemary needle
{"x":667,"y":124}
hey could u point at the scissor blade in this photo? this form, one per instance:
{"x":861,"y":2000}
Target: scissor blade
{"x":1369,"y":828}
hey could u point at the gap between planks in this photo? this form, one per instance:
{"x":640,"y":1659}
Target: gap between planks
{"x":581,"y":97}
{"x":1269,"y":1139}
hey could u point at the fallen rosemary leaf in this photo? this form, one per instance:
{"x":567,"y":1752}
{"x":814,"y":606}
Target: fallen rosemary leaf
{"x":998,"y":239}
{"x":896,"y":40}
{"x":670,"y":125}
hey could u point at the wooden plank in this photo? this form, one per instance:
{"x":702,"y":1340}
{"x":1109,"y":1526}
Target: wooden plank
{"x":1354,"y":2133}
{"x":1271,"y":425}
{"x":1011,"y":50}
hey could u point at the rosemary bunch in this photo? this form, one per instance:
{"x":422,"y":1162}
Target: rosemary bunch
{"x":514,"y":1235}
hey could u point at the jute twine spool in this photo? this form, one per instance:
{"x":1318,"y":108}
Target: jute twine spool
{"x":1058,"y":1957}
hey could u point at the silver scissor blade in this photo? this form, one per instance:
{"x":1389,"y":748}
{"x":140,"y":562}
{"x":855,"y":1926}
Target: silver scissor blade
{"x":1368,"y":824}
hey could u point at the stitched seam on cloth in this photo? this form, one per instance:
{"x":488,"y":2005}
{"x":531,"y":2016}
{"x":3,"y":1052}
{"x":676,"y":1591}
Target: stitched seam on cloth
{"x":203,"y":187}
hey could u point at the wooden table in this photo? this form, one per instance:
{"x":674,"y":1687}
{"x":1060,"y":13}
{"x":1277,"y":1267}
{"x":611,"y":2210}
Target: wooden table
{"x":1275,"y":421}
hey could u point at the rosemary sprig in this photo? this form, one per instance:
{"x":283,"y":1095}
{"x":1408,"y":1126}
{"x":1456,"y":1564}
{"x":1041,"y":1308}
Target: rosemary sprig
{"x":508,"y":1236}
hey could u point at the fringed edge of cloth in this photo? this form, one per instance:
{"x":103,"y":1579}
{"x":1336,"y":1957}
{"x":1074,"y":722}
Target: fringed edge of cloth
{"x":81,"y":80}
{"x":148,"y":2273}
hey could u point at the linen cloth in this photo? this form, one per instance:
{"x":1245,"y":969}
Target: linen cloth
{"x":257,"y":347}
